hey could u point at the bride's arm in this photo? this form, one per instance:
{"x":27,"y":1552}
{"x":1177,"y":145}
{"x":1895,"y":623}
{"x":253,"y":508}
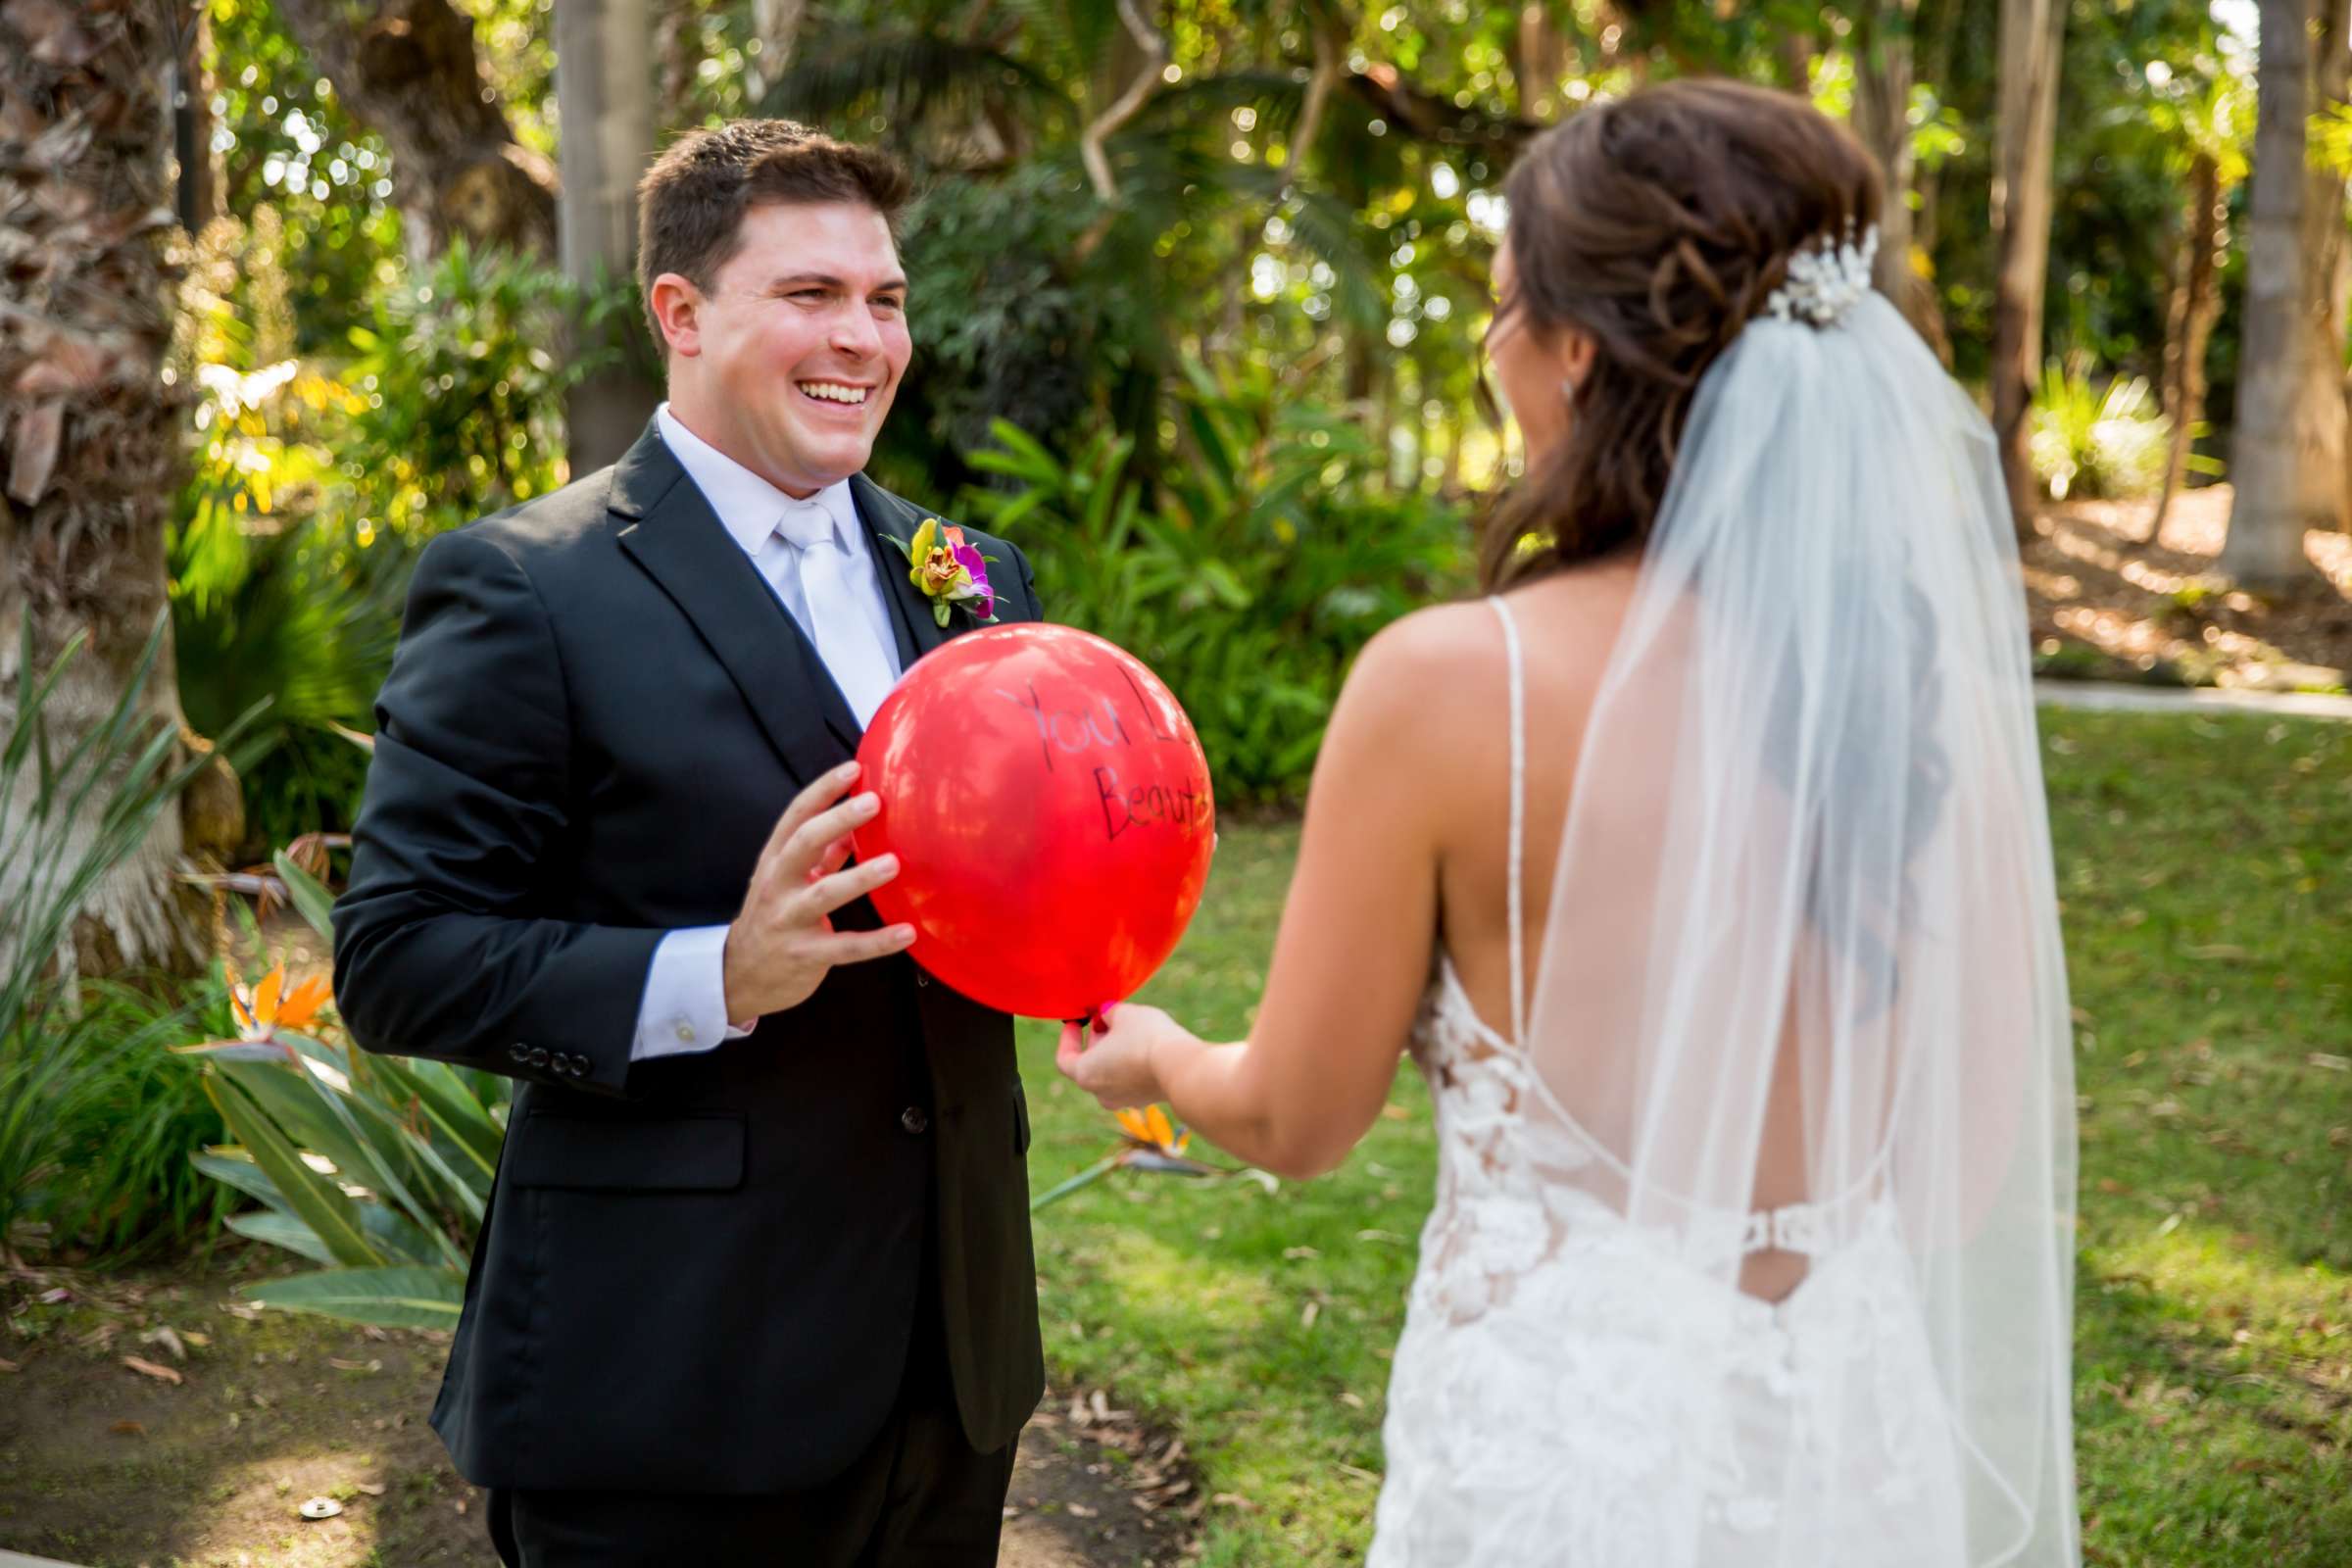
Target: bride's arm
{"x":1354,"y":952}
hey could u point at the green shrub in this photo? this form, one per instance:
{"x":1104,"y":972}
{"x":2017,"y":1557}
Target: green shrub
{"x":69,"y":1081}
{"x":310,"y":625}
{"x":314,"y":482}
{"x":1249,"y":581}
{"x":124,"y":1118}
{"x":462,"y":388}
{"x":2097,"y":443}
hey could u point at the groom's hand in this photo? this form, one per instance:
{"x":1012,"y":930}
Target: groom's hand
{"x":779,"y":947}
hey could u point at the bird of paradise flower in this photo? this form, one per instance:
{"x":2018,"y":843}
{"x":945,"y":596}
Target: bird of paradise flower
{"x":1148,"y":1140}
{"x":262,"y":1010}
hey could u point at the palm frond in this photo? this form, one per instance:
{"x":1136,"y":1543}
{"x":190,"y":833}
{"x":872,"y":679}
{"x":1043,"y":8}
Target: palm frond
{"x":1327,"y":227}
{"x":912,"y":79}
{"x":1049,"y":37}
{"x":1275,"y":96}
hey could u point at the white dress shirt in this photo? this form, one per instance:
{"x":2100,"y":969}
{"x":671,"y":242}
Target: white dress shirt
{"x":684,"y":1007}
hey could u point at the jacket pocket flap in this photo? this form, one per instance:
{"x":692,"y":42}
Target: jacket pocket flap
{"x":691,"y":1154}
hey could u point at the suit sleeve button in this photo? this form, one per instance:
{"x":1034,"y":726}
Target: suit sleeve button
{"x":915,"y":1120}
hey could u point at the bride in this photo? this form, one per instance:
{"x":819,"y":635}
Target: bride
{"x":1722,"y":822}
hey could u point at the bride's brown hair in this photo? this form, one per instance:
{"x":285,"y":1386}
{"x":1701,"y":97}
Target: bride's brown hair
{"x":1658,"y":225}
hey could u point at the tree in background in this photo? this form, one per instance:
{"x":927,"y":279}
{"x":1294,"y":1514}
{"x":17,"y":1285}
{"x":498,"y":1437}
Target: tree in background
{"x":409,"y":70}
{"x":2273,"y":503}
{"x":2032,"y":37}
{"x":1883,"y":63}
{"x":93,"y":426}
{"x":2204,"y":125}
{"x":2322,"y":478}
{"x":605,"y":94}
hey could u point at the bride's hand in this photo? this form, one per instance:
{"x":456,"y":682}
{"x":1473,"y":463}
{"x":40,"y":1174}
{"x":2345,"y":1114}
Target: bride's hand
{"x":1114,"y":1065}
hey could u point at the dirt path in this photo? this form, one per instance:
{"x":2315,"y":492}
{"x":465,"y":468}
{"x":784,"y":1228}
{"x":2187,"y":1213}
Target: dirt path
{"x":206,"y":1455}
{"x":2107,"y":601}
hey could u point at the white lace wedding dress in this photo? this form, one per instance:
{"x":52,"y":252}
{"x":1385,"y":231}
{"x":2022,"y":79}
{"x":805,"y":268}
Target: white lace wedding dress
{"x":1570,"y":1392}
{"x":1802,"y":948}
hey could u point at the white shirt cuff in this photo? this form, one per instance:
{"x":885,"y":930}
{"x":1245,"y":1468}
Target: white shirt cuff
{"x":684,"y":1008}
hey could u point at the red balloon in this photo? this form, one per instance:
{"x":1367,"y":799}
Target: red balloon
{"x":1049,"y":806}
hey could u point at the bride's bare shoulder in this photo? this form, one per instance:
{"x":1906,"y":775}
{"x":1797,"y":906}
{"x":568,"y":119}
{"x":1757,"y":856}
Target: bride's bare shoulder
{"x":1568,"y":616}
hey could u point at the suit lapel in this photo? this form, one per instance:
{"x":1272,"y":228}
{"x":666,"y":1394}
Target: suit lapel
{"x":891,"y":524}
{"x":678,"y":540}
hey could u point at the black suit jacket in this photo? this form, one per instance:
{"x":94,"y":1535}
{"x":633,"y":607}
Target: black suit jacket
{"x":698,"y":1273}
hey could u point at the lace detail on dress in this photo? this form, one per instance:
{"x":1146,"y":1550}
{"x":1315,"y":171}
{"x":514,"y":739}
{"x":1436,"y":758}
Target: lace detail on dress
{"x":1572,"y":1391}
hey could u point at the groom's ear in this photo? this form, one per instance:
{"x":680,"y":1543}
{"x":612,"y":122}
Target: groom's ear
{"x":676,"y":306}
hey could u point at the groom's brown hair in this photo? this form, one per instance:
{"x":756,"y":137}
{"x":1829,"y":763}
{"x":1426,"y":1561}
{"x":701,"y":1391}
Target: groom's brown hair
{"x":691,"y":203}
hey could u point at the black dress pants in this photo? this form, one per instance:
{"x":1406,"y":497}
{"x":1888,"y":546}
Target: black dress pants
{"x":920,"y":1496}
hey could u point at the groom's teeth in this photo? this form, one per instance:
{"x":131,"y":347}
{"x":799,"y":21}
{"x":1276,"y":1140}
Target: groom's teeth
{"x":834,"y":392}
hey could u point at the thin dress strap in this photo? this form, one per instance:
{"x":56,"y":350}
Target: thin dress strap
{"x":1510,"y":643}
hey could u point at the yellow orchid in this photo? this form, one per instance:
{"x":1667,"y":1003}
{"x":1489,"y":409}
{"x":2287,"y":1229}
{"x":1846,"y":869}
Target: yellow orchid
{"x":948,"y":571}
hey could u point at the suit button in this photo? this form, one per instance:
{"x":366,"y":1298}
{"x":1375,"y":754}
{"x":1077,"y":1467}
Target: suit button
{"x":921,"y":979}
{"x":517,"y":1054}
{"x":915,"y":1120}
{"x":536,"y":1055}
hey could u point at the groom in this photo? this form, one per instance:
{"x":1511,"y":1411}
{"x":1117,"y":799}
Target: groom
{"x":756,"y":1284}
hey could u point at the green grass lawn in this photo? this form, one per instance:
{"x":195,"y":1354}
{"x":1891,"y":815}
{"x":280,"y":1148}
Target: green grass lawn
{"x":2206,"y":868}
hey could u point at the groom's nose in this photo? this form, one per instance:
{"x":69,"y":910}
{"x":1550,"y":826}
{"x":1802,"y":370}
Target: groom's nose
{"x":856,"y":334}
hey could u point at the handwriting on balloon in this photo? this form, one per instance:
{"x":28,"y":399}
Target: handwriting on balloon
{"x":1183,"y":806}
{"x":1096,"y":726}
{"x":1097,"y":723}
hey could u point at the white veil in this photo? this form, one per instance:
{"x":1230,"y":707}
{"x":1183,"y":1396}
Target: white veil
{"x":1802,"y":958}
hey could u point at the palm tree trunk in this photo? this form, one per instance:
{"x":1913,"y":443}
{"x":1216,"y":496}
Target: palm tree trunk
{"x":2033,"y":39}
{"x":2194,"y":307}
{"x":2320,"y":413}
{"x":2265,"y":548}
{"x":93,"y":432}
{"x":605,"y":96}
{"x":1883,"y":65}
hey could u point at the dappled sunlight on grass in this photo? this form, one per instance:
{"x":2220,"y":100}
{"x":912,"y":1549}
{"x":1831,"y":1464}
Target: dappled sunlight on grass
{"x":2294,"y":1318}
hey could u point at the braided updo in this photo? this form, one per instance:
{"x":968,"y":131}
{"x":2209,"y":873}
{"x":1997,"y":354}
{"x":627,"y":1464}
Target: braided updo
{"x":1658,"y":225}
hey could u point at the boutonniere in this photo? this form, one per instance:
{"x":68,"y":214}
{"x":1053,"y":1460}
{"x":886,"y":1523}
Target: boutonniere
{"x":948,"y":571}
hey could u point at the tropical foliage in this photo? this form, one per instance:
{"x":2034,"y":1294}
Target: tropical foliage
{"x":376,"y":1168}
{"x":69,"y":1054}
{"x":2102,"y":442}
